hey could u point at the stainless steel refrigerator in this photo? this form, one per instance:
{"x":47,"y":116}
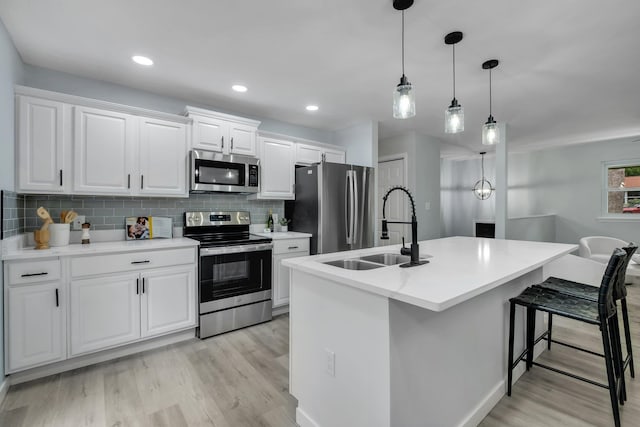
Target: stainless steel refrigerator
{"x":334,"y":202}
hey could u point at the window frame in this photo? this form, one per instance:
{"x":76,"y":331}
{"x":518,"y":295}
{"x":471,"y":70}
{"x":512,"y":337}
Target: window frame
{"x":605,"y":215}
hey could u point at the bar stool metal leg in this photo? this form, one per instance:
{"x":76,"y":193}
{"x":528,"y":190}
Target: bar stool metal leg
{"x":627,"y":335}
{"x":512,"y":318}
{"x":549,"y":327}
{"x":608,"y":357}
{"x":531,"y":332}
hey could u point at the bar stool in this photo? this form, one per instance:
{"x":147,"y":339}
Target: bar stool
{"x":602,"y":313}
{"x":588,"y":292}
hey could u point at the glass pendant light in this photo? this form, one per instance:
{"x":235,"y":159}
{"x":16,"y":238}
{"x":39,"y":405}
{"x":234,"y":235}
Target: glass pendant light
{"x":490,"y":130}
{"x":483,"y":188}
{"x":454,"y":115}
{"x":404,"y":101}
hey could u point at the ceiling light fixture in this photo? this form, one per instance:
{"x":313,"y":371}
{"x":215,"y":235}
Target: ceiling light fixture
{"x":490,"y":130}
{"x":483,"y":187}
{"x":312,"y":108}
{"x":404,"y":100}
{"x":239,"y":88}
{"x":454,"y":115}
{"x":142,"y":60}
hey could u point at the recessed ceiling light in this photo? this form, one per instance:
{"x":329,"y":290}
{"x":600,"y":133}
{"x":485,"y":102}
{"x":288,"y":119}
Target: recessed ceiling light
{"x":312,"y":108}
{"x":142,"y":60}
{"x":239,"y":88}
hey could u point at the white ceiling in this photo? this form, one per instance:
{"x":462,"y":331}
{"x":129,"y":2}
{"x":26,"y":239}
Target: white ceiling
{"x":569,"y":70}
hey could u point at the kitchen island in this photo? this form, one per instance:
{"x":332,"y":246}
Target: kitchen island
{"x":419,"y":346}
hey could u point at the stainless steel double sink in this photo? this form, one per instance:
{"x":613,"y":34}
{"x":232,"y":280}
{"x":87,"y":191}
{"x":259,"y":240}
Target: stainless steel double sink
{"x":369,"y":262}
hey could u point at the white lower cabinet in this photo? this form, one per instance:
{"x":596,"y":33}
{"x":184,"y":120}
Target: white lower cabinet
{"x":61,"y":308}
{"x":283,"y":249}
{"x":168,"y":300}
{"x":36,"y":327}
{"x":105,"y":311}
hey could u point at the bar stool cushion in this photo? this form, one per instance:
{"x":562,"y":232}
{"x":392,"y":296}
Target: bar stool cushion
{"x":557,"y":303}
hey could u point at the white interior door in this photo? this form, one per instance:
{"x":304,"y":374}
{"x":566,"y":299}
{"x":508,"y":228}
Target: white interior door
{"x":390,"y":174}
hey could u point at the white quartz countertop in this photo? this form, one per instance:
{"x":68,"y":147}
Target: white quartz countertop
{"x":284,"y":235}
{"x":97,"y":248}
{"x":459,"y":269}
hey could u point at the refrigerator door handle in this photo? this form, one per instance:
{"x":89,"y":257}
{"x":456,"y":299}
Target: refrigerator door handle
{"x":347,"y":203}
{"x":356,"y":213}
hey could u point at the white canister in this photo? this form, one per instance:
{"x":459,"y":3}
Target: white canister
{"x":59,"y":234}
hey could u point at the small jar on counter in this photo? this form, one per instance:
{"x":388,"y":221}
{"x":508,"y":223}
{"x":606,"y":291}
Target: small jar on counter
{"x":86,"y":237}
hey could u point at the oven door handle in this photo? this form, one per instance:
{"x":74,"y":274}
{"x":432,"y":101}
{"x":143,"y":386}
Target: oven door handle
{"x":235,"y":249}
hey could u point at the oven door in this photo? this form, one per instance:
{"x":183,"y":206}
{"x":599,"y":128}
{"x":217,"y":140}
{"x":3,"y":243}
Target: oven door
{"x":234,"y":275}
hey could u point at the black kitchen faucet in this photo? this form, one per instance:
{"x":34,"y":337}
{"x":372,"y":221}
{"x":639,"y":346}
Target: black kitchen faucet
{"x":415,"y":249}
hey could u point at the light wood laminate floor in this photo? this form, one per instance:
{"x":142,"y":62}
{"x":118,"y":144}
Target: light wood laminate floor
{"x":241,"y":379}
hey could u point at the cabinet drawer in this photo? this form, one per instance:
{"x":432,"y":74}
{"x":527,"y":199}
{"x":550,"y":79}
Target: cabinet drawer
{"x":290,"y":245}
{"x":132,"y":261}
{"x":20,"y":272}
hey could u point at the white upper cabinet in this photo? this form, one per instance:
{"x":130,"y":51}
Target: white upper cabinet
{"x":104,"y":151}
{"x":334,"y":156}
{"x":72,"y":145}
{"x":163,"y":158}
{"x":307,"y":154}
{"x":223,"y":133}
{"x":42,"y":146}
{"x":277,"y":174}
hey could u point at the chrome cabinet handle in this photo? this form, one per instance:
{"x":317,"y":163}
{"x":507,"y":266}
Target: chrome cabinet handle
{"x":232,"y":143}
{"x":60,"y":177}
{"x":44,"y":273}
{"x":222,"y":142}
{"x":142,"y":182}
{"x":129,"y":180}
{"x":57,"y":299}
{"x":143,"y":285}
{"x":141,"y":262}
{"x":293,"y":247}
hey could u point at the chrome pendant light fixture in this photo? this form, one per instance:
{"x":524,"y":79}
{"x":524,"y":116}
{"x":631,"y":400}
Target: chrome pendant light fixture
{"x":483,"y":188}
{"x":454,"y":115}
{"x":490,"y":130}
{"x":404,"y":101}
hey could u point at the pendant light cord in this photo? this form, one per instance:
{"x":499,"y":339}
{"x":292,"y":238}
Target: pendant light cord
{"x":490,"y":113}
{"x":403,"y":42}
{"x":482,"y":163}
{"x":454,"y":71}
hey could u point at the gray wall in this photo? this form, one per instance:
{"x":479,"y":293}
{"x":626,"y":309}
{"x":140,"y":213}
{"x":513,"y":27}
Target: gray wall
{"x":56,"y":81}
{"x":361,"y":143}
{"x":11,"y":72}
{"x":459,"y":205}
{"x":565,"y":181}
{"x":423,"y":171}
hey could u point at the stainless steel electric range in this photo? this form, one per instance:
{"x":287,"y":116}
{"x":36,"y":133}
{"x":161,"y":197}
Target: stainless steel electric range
{"x":234,"y":271}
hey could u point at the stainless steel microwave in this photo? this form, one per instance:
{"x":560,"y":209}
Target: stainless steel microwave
{"x":217,"y":172}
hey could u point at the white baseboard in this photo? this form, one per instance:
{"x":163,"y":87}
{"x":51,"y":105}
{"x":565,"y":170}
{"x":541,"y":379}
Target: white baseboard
{"x":4,"y":387}
{"x":304,"y":420}
{"x":93,"y":358}
{"x":277,"y":311}
{"x":500,"y":389}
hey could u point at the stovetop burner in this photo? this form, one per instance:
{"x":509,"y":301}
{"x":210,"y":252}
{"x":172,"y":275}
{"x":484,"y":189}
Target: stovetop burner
{"x":220,"y":228}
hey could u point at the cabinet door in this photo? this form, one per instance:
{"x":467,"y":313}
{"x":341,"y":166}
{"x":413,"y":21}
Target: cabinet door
{"x":308,"y":154}
{"x":42,"y":146}
{"x":103,"y":153}
{"x":105,"y":311}
{"x":281,"y":278}
{"x":163,"y":158}
{"x":36,"y":333}
{"x":168,"y":300}
{"x":277,"y":169}
{"x":209,"y":133}
{"x":242,"y":139}
{"x":334,"y":156}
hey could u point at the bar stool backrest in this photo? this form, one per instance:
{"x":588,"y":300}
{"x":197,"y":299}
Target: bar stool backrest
{"x":606,"y":303}
{"x":620,"y":290}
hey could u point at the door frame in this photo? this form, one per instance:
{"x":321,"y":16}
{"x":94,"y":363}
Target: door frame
{"x":388,"y":158}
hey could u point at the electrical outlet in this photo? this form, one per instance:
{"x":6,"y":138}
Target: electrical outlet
{"x":331,"y":362}
{"x":77,"y":223}
{"x":427,"y":205}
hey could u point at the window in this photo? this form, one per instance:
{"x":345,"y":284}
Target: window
{"x":622,"y":183}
